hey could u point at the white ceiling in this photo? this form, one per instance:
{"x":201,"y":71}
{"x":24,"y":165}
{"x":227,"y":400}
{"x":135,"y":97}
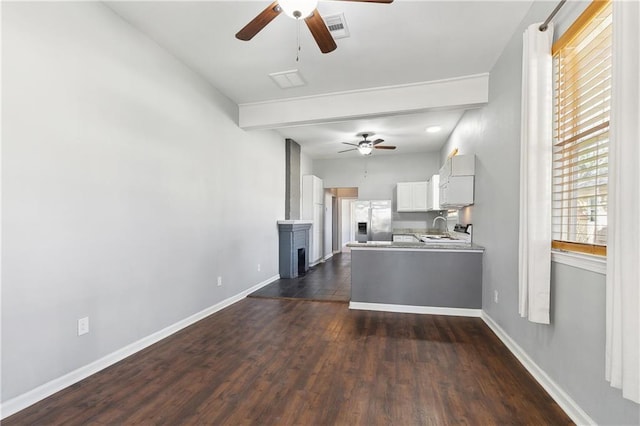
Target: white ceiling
{"x":390,"y":44}
{"x":406,"y":132}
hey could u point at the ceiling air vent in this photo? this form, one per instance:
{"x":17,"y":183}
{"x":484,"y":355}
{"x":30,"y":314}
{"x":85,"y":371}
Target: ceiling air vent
{"x":288,"y":79}
{"x":337,"y":25}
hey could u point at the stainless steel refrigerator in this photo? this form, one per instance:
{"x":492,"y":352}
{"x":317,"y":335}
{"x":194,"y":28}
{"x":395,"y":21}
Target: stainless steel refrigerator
{"x":373,"y":220}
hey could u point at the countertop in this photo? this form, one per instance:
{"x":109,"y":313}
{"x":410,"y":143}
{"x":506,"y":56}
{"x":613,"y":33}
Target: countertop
{"x":389,"y":245}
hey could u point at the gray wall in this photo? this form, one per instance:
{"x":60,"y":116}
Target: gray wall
{"x":571,"y":349}
{"x":127,"y":188}
{"x":376,"y":178}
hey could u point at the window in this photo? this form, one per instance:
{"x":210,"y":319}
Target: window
{"x":582,"y":101}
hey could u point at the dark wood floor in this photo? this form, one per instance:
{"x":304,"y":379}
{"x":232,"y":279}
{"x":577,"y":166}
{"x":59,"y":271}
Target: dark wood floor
{"x":328,"y":282}
{"x":286,"y":362}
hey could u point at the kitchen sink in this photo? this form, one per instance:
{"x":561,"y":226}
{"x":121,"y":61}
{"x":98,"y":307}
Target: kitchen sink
{"x":441,"y":239}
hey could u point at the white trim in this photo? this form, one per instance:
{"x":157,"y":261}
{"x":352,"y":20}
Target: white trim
{"x":565,"y":402}
{"x":410,"y":309}
{"x":588,"y":262}
{"x":23,"y":401}
{"x":327,"y":257}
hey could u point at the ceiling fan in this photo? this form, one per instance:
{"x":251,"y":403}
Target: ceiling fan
{"x":296,"y":9}
{"x":365,"y":147}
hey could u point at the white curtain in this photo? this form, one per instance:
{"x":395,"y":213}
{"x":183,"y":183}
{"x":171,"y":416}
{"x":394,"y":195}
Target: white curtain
{"x":534,"y":255}
{"x":623,"y":245}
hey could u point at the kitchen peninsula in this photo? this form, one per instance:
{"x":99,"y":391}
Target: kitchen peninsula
{"x":416,"y":277}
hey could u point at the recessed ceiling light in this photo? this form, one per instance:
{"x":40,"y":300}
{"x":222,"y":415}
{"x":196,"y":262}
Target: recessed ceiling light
{"x":433,"y":129}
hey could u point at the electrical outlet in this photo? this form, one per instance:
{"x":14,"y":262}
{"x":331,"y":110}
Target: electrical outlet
{"x":495,"y":296}
{"x":83,"y":326}
{"x":258,"y":267}
{"x":219,"y":281}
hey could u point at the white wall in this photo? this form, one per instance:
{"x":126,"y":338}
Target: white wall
{"x":346,"y":229}
{"x":127,"y":189}
{"x":571,"y":349}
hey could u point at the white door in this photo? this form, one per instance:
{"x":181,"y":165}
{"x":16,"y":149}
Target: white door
{"x":346,"y":222}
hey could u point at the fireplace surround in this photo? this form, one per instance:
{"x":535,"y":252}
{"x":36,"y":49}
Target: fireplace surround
{"x":293,"y":247}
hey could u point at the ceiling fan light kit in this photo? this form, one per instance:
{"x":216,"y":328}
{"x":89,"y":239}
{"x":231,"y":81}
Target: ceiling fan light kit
{"x":297,"y":9}
{"x":365,"y":148}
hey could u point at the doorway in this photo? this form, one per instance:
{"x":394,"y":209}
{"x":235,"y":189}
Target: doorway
{"x":340,"y":231}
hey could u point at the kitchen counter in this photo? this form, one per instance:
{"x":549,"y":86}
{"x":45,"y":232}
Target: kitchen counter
{"x":389,"y":245}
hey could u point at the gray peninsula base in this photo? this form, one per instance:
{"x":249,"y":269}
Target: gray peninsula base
{"x":448,"y":278}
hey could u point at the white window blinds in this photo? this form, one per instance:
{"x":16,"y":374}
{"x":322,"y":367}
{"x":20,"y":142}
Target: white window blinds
{"x":582,"y":61}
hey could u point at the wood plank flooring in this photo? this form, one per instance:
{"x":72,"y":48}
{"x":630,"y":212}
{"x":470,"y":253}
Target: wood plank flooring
{"x":326,"y":282}
{"x":290,"y":362}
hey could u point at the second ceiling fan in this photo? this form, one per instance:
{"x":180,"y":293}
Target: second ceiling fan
{"x":297,"y":9}
{"x":365,"y":147}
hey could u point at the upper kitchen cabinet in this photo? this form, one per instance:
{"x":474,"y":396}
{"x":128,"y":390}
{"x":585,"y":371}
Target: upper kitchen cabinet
{"x":458,"y":165}
{"x":412,"y":197}
{"x":433,"y":193}
{"x":456,"y":181}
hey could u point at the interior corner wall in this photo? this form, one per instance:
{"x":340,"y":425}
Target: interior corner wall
{"x":127,"y":189}
{"x":571,"y":349}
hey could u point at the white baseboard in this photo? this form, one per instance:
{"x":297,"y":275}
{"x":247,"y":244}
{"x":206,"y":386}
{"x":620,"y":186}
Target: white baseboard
{"x":410,"y":309}
{"x":31,"y":397}
{"x":23,"y":401}
{"x":565,"y":402}
{"x":327,"y":257}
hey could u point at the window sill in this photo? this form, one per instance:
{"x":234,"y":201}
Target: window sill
{"x":597,"y":264}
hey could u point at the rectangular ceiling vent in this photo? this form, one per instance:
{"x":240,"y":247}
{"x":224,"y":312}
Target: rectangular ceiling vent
{"x":288,"y":79}
{"x":337,"y":25}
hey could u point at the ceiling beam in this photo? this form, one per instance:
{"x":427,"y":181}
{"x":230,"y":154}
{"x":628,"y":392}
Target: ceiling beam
{"x":464,"y":92}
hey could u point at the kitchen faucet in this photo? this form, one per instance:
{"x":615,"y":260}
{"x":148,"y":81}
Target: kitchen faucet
{"x":441,"y":218}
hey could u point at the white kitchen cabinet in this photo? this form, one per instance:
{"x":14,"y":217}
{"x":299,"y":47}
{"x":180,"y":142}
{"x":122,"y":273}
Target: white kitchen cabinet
{"x":313,"y":209}
{"x":411,"y":197}
{"x":404,"y":197}
{"x":433,"y":193}
{"x":458,"y":165}
{"x":457,"y":181}
{"x":457,"y":192}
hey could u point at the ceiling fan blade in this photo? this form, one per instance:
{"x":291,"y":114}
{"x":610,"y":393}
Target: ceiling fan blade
{"x":347,"y":150}
{"x":377,"y":141}
{"x":320,"y":32}
{"x":384,"y":147}
{"x":352,"y":144}
{"x":369,"y":1}
{"x":259,"y":22}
